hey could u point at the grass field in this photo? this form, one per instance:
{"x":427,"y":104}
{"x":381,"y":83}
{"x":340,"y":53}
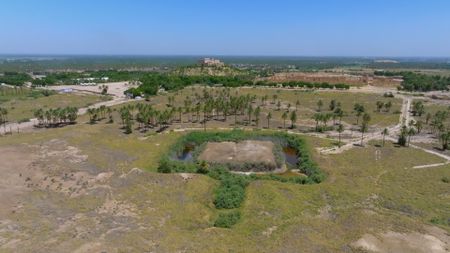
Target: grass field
{"x":363,"y":193}
{"x":308,"y":104}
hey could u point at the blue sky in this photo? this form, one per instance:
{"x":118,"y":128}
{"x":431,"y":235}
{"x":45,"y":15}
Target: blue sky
{"x":229,"y":27}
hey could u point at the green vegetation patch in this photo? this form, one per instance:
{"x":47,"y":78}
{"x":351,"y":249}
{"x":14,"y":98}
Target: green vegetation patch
{"x":231,"y":192}
{"x":419,"y":82}
{"x":228,"y":219}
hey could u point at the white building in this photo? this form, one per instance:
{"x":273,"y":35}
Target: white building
{"x":211,"y":62}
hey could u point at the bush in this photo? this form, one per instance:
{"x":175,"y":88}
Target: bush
{"x":227,"y":220}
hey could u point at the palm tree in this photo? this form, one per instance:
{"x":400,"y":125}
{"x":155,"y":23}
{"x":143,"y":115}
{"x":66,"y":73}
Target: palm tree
{"x":332,"y":105}
{"x":340,"y":129}
{"x":359,"y":109}
{"x":257,"y":114}
{"x":411,"y":132}
{"x":269,"y":116}
{"x":293,"y":119}
{"x":385,"y":132}
{"x":317,"y":117}
{"x":419,"y":126}
{"x":319,"y":105}
{"x":364,"y":126}
{"x":339,"y":113}
{"x":444,"y":138}
{"x":250,"y":112}
{"x":284,"y":117}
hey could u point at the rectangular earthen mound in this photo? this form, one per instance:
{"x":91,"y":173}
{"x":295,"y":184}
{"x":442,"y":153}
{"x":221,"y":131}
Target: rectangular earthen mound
{"x":249,"y":151}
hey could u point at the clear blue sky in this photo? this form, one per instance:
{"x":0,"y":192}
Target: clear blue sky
{"x":228,"y":27}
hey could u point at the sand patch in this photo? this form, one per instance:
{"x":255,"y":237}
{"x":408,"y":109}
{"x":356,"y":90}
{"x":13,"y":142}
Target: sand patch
{"x":435,"y":241}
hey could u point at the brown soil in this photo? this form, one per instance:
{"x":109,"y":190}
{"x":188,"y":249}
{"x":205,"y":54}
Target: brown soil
{"x":335,"y":78}
{"x":434,"y":241}
{"x":239,"y":152}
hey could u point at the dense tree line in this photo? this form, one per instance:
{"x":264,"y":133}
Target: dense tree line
{"x":418,"y":82}
{"x":15,"y":78}
{"x":152,"y":82}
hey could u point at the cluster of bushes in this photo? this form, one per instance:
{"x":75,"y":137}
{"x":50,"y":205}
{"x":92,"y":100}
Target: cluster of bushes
{"x":231,"y":191}
{"x":14,"y":78}
{"x":227,"y":219}
{"x":418,"y":82}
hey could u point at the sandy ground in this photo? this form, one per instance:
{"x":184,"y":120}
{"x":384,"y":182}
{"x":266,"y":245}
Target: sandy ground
{"x":115,"y":89}
{"x":239,"y":152}
{"x":434,"y":240}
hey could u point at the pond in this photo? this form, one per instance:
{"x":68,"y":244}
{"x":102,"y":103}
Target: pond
{"x":187,"y":153}
{"x":290,"y":156}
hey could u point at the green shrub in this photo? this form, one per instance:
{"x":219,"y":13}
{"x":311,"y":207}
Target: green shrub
{"x":227,"y":220}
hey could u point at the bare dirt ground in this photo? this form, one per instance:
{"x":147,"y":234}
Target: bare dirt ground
{"x":115,"y":89}
{"x":37,"y":185}
{"x":433,"y":240}
{"x":335,"y":78}
{"x":239,"y":152}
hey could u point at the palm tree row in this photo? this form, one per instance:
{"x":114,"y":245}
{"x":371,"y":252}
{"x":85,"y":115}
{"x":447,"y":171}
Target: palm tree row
{"x":99,"y":113}
{"x":54,"y":117}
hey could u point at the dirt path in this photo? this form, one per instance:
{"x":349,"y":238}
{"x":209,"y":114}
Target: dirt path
{"x":403,"y":119}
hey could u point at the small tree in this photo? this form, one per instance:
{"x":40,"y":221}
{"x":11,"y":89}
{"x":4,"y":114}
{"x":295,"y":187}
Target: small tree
{"x":444,"y":139}
{"x":387,"y":106}
{"x":419,"y":126}
{"x":332,"y":105}
{"x":269,"y":116}
{"x":411,"y":132}
{"x":319,"y":105}
{"x":379,"y":106}
{"x":364,"y":126}
{"x":293,"y":119}
{"x":104,"y":89}
{"x":359,"y":110}
{"x":340,"y":129}
{"x":284,"y":117}
{"x":402,"y":137}
{"x":385,"y":132}
{"x":428,"y":118}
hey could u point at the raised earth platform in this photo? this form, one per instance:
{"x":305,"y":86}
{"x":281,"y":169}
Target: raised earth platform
{"x":248,"y":151}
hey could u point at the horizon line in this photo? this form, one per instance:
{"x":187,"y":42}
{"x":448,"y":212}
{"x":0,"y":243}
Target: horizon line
{"x":216,"y":55}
